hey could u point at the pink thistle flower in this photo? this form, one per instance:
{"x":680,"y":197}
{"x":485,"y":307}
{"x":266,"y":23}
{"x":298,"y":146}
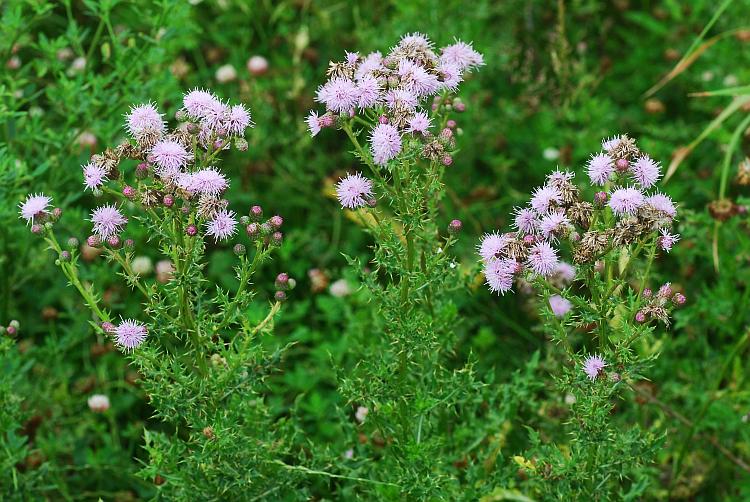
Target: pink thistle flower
{"x":559,"y":305}
{"x":237,"y":120}
{"x":542,"y":259}
{"x":223,"y":226}
{"x":94,"y":176}
{"x":129,"y":334}
{"x":558,"y":176}
{"x":593,"y":366}
{"x":371,"y":63}
{"x":662,"y":203}
{"x":499,"y":275}
{"x":368,"y":92}
{"x":419,"y":123}
{"x":208,"y":181}
{"x":416,"y":79}
{"x":646,"y":171}
{"x":144,"y":118}
{"x":492,"y":246}
{"x":543,"y":197}
{"x":197,"y":102}
{"x":313,"y":123}
{"x":338,"y":94}
{"x":34,"y":206}
{"x":169,"y":156}
{"x":352,"y":58}
{"x":462,"y":55}
{"x":416,"y":40}
{"x":525,"y":220}
{"x":216,"y":116}
{"x":385,"y":143}
{"x":667,"y":240}
{"x":600,"y":168}
{"x":401,"y":97}
{"x":354,"y":191}
{"x":552,"y":223}
{"x":450,"y":75}
{"x":626,"y":200}
{"x":108,"y":221}
{"x":608,"y":144}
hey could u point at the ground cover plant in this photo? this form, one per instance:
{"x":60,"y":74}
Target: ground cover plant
{"x":497,"y":253}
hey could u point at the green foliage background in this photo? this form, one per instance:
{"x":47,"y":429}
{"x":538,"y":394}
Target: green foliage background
{"x":559,"y":77}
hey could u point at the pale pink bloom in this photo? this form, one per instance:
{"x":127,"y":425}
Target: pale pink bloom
{"x":525,"y":220}
{"x":257,"y":65}
{"x":144,"y":118}
{"x":354,"y":191}
{"x":129,"y":334}
{"x":216,"y":116}
{"x":338,"y":94}
{"x":450,"y":75}
{"x":553,"y":223}
{"x":419,"y":123}
{"x":662,"y":203}
{"x":351,"y":58}
{"x":559,"y":305}
{"x":542,"y":259}
{"x":385,"y":143}
{"x":543,"y":197}
{"x":98,"y":403}
{"x":600,"y":167}
{"x":108,"y":221}
{"x":237,"y":120}
{"x":416,"y":79}
{"x":499,"y":274}
{"x":223,"y":226}
{"x":593,"y":366}
{"x":226,"y":73}
{"x":313,"y":123}
{"x":626,"y":200}
{"x":164,"y":271}
{"x":368,"y":92}
{"x":169,"y":157}
{"x":34,"y":206}
{"x":208,"y":181}
{"x":667,"y":240}
{"x":608,"y":144}
{"x":361,"y":414}
{"x":565,"y":272}
{"x":401,"y":98}
{"x":462,"y":55}
{"x":492,"y":246}
{"x":646,"y":171}
{"x":558,"y":176}
{"x":198,"y":101}
{"x":94,"y":176}
{"x":372,"y":62}
{"x":416,"y":40}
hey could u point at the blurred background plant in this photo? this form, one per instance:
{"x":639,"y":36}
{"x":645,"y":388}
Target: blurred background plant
{"x":559,"y":76}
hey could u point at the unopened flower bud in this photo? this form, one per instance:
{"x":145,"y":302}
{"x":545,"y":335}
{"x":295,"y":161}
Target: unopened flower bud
{"x":14,"y":324}
{"x":529,"y":239}
{"x":640,"y":317}
{"x":621,"y":165}
{"x":451,"y":124}
{"x":647,"y":293}
{"x":282,"y":281}
{"x":128,"y":191}
{"x":253,"y":230}
{"x":218,"y":144}
{"x":114,"y":241}
{"x":185,"y":209}
{"x":129,"y":244}
{"x":65,"y":256}
{"x":257,"y":65}
{"x":245,"y":220}
{"x":141,"y":171}
{"x":446,"y":133}
{"x":73,"y":243}
{"x":168,"y":200}
{"x":191,"y":230}
{"x":93,"y":241}
{"x":57,"y":213}
{"x":240,"y":144}
{"x":11,"y":331}
{"x":37,"y":229}
{"x":193,"y":128}
{"x":180,"y":115}
{"x":455,"y":227}
{"x":108,"y":327}
{"x":280,"y":296}
{"x":601,"y":198}
{"x":239,"y":249}
{"x":276,"y":221}
{"x":277,"y":238}
{"x":447,"y":160}
{"x":679,"y":299}
{"x":256,"y":212}
{"x":459,"y":107}
{"x":615,"y":377}
{"x":209,"y":432}
{"x":383,"y":119}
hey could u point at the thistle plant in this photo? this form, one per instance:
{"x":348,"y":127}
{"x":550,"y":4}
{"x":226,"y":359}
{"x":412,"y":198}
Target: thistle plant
{"x":597,"y":310}
{"x":193,"y":343}
{"x":398,"y":112}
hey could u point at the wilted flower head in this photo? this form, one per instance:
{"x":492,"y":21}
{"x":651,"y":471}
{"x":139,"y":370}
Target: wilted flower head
{"x":129,"y":334}
{"x":94,"y":175}
{"x":34,"y":206}
{"x":354,"y":191}
{"x":626,"y":200}
{"x":593,"y":365}
{"x":107,"y":220}
{"x":222,"y":226}
{"x":385,"y":143}
{"x":144,"y":118}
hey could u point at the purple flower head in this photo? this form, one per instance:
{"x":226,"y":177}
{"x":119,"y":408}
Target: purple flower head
{"x":338,"y":94}
{"x":197,"y":102}
{"x":667,"y":240}
{"x":385,"y":143}
{"x":237,"y":120}
{"x":372,"y":62}
{"x":450,"y":74}
{"x":543,"y":197}
{"x":462,"y":55}
{"x":169,"y":157}
{"x":608,"y":144}
{"x":593,"y":365}
{"x":559,"y":305}
{"x":216,"y":117}
{"x":662,"y":203}
{"x":94,"y":176}
{"x":600,"y":168}
{"x":352,"y":58}
{"x":646,"y":171}
{"x":492,"y":246}
{"x":558,"y":176}
{"x":34,"y":206}
{"x":542,"y":259}
{"x":499,"y":274}
{"x":525,"y":220}
{"x":144,"y":118}
{"x":129,"y":334}
{"x":626,"y":200}
{"x":416,"y":79}
{"x":553,"y":223}
{"x":368,"y":92}
{"x":419,"y":123}
{"x":108,"y":221}
{"x":209,"y":181}
{"x":222,"y":226}
{"x":313,"y":123}
{"x":401,"y":98}
{"x":354,"y":191}
{"x":416,"y":40}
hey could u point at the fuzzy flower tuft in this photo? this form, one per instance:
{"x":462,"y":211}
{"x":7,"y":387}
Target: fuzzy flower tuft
{"x":667,"y":240}
{"x":338,"y":94}
{"x":525,"y":220}
{"x":313,"y":123}
{"x":662,"y":203}
{"x":385,"y":143}
{"x":600,"y":167}
{"x":34,"y":206}
{"x":237,"y":120}
{"x":144,"y":119}
{"x":462,"y":55}
{"x":368,"y":92}
{"x":354,"y":191}
{"x":646,"y":171}
{"x":222,"y":226}
{"x":626,"y":200}
{"x":94,"y":176}
{"x":542,"y":259}
{"x":197,"y":102}
{"x":170,"y":156}
{"x":108,"y":221}
{"x":543,"y":198}
{"x":559,"y":305}
{"x":553,"y":223}
{"x":209,"y":181}
{"x":593,"y":366}
{"x":499,"y":275}
{"x":129,"y":334}
{"x":419,"y":123}
{"x":491,"y":246}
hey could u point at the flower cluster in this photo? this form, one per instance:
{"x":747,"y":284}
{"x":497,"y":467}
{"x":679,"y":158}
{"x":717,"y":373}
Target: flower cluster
{"x":619,"y":215}
{"x":392,"y":93}
{"x":657,"y":305}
